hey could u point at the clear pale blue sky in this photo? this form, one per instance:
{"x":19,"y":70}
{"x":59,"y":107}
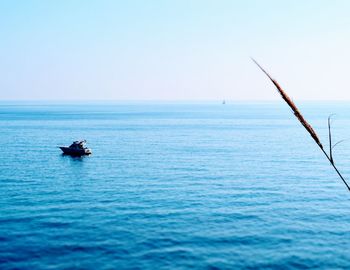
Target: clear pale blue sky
{"x":173,"y":50}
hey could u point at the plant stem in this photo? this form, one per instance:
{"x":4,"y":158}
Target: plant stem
{"x":335,"y":168}
{"x":330,"y":140}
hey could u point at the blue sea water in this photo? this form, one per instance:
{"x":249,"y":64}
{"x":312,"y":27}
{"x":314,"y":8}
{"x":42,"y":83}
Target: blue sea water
{"x":172,"y":186}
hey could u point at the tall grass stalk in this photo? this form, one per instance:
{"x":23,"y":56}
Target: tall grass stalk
{"x":306,"y":125}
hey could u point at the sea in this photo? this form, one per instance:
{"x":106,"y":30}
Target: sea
{"x":173,"y":185}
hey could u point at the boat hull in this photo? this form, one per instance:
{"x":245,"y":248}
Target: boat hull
{"x":75,"y":152}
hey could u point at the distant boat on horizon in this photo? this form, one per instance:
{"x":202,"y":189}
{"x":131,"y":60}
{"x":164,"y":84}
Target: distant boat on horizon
{"x":223,"y":102}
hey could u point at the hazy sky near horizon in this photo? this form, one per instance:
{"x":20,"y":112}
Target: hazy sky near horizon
{"x":173,"y":50}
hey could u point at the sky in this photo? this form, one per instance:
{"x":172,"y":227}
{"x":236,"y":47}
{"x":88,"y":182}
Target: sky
{"x":173,"y":50}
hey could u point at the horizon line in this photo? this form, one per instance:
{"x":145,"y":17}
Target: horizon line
{"x":169,"y":100}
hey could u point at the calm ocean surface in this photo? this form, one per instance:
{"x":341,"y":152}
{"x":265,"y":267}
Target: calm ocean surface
{"x":172,"y":186}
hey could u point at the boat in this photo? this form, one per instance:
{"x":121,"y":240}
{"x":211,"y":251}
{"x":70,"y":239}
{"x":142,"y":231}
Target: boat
{"x":77,"y":148}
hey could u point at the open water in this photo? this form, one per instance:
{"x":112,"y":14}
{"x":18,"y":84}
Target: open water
{"x":172,"y":186}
